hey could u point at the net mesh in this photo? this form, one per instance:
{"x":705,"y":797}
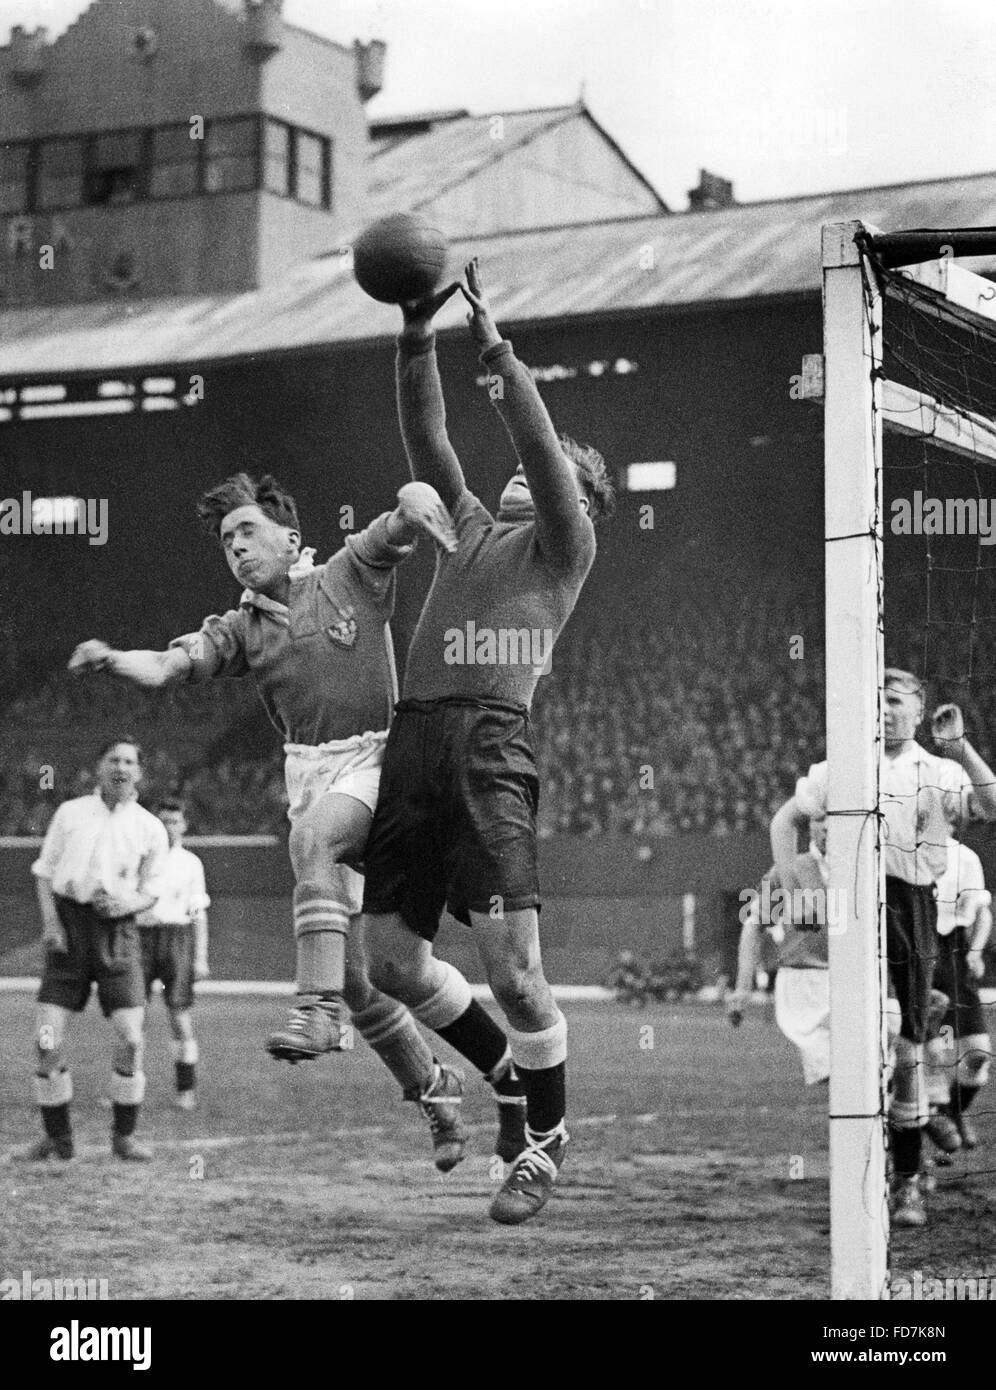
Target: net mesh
{"x":939,"y":622}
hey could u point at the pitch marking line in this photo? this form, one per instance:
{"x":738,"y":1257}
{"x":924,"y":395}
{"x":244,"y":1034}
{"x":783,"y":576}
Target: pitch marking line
{"x":235,"y":1141}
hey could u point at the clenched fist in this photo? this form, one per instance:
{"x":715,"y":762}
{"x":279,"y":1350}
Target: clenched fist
{"x":90,"y":656}
{"x":421,"y":506}
{"x":947,"y":724}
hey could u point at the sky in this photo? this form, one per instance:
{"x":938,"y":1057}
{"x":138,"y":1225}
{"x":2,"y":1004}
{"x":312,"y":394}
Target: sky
{"x":782,"y":96}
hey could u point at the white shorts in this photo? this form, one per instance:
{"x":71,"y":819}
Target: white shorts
{"x":348,"y":766}
{"x":802,"y":1012}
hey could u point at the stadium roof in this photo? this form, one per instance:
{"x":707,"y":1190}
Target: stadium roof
{"x":737,"y":254}
{"x":416,"y":159}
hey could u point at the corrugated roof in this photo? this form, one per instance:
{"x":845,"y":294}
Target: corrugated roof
{"x":738,"y":253}
{"x":409,"y":167}
{"x":415,"y":160}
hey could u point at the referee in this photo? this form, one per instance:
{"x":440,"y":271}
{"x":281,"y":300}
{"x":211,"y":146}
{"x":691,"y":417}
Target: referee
{"x":921,"y":795}
{"x":99,"y":865}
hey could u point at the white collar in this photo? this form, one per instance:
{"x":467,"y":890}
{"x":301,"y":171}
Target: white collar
{"x":300,"y":569}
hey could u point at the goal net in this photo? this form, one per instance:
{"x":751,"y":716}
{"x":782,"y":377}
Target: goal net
{"x":909,"y":391}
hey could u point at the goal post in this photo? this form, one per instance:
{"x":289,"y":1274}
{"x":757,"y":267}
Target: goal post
{"x":852,"y":317}
{"x":866,"y":273}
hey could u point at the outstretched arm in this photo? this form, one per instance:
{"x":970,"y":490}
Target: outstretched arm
{"x":948,"y":729}
{"x":421,"y":408}
{"x":150,"y":669}
{"x":562,"y":529}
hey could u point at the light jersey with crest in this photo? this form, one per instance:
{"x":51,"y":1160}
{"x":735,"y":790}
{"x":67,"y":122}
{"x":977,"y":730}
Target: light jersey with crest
{"x":324,"y":662}
{"x":920,"y":796}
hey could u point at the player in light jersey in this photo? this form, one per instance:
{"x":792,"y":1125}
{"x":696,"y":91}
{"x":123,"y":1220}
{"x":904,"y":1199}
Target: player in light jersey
{"x":794,"y":905}
{"x":920,"y":796}
{"x":958,"y":1058}
{"x":315,"y":640}
{"x":99,"y":865}
{"x":456,"y":823}
{"x":174,"y":940}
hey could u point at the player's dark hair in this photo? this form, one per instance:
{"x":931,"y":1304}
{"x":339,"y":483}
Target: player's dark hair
{"x":240,"y":490}
{"x":172,"y":803}
{"x":132,"y":742}
{"x":594,"y":476}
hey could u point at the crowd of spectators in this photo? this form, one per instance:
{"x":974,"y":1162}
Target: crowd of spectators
{"x":697,"y":720}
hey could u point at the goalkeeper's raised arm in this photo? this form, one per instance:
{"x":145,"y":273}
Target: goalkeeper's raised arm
{"x":566,"y":486}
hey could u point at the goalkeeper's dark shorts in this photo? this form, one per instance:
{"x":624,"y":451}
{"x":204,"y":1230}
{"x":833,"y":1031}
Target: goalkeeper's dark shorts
{"x":911,"y":946}
{"x":966,"y":1015}
{"x":455,"y":824}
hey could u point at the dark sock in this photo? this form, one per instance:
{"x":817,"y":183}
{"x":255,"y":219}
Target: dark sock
{"x":546,"y":1096}
{"x":56,"y":1120}
{"x":186,"y":1074}
{"x":125,"y":1119}
{"x":906,"y":1147}
{"x":508,"y":1082}
{"x":476,"y":1036}
{"x":962,"y":1096}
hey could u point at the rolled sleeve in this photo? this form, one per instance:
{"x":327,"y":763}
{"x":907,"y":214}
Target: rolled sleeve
{"x":218,"y":649}
{"x":52,"y":847}
{"x":811,"y":792}
{"x":374,"y":555}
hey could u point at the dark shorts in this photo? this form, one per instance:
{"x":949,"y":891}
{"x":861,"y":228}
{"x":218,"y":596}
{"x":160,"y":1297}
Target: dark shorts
{"x":168,"y":955}
{"x":455,"y":823}
{"x":911,"y":946}
{"x":98,"y":951}
{"x":966,"y":1015}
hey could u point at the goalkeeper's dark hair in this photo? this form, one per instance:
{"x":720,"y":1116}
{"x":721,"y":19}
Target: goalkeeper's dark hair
{"x":594,"y":477}
{"x":240,"y":490}
{"x":174,"y":804}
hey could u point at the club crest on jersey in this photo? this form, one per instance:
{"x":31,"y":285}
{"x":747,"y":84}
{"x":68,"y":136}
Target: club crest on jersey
{"x":344,"y":633}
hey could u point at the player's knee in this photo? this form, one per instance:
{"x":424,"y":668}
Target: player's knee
{"x":49,"y":1048}
{"x":127,"y":1056}
{"x":181,"y":1025}
{"x":522,"y":993}
{"x":394,"y":976}
{"x":315,"y":851}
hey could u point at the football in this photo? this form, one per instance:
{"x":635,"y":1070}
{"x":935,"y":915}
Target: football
{"x":399,"y":258}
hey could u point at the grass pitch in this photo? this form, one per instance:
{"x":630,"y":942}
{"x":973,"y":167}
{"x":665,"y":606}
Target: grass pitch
{"x":698,"y":1169}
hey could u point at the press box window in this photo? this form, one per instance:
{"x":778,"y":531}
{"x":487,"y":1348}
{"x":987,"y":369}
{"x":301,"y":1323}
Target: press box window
{"x":14,"y":178}
{"x":60,"y":174}
{"x":277,"y":158}
{"x":175,"y":163}
{"x":115,"y":172}
{"x":312,"y":170}
{"x":232,"y":155}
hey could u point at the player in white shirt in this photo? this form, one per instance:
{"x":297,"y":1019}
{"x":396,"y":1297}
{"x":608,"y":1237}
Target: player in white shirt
{"x":921,"y":795}
{"x":958,"y":1058}
{"x":174,"y":946}
{"x":99,"y":865}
